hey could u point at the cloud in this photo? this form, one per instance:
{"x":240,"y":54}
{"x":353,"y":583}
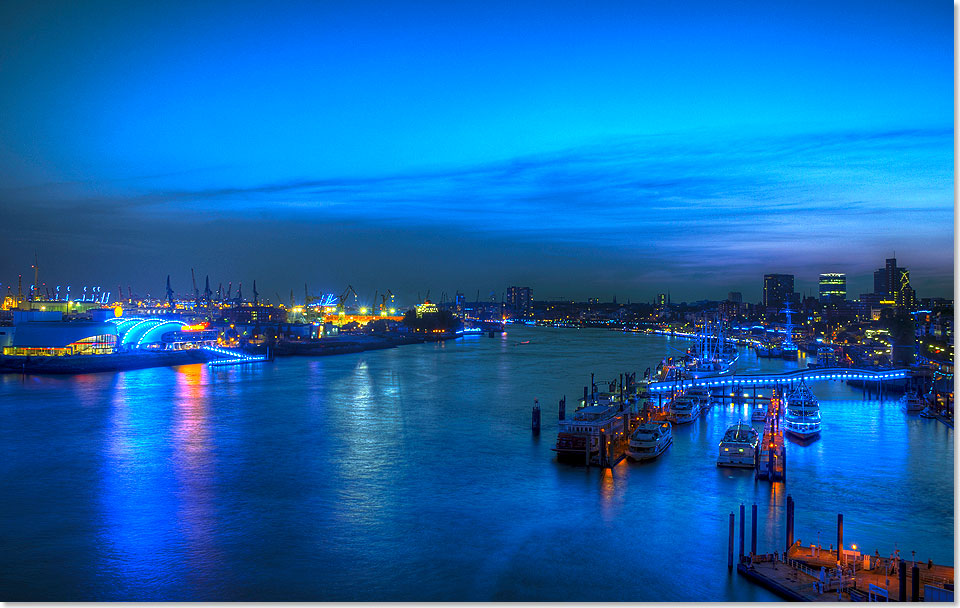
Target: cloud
{"x":694,"y":208}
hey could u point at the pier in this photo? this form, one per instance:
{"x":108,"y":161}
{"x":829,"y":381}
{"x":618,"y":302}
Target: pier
{"x":813,"y":574}
{"x":772,"y":461}
{"x":773,"y":380}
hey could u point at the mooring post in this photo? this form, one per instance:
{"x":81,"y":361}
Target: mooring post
{"x":915,"y":583}
{"x":753,"y":529}
{"x":603,"y":449}
{"x":536,"y":416}
{"x":788,"y":533}
{"x":730,"y":545}
{"x":742,"y":517}
{"x":839,"y":536}
{"x":902,"y":595}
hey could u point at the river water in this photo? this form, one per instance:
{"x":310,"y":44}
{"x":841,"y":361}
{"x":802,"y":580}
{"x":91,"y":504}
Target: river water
{"x":412,"y":474}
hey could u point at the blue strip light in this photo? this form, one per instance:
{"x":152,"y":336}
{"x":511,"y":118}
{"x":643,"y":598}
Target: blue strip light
{"x":233,"y":357}
{"x":776,"y":379}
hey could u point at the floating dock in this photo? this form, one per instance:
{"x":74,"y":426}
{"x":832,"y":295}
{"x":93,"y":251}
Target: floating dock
{"x":812,"y":574}
{"x":772,"y":463}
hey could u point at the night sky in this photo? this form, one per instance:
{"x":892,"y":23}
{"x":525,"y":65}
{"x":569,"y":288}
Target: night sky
{"x":585,"y":149}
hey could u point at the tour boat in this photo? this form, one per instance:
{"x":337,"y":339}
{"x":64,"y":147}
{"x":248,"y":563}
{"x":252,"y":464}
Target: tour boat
{"x":700,"y":393}
{"x":759,"y":413}
{"x":649,"y":440}
{"x":912,"y":403}
{"x":739,"y":446}
{"x":683,"y":409}
{"x":802,"y":417}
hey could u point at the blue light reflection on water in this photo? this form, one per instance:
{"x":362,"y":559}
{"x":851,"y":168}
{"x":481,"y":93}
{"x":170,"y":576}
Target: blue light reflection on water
{"x":411,"y":474}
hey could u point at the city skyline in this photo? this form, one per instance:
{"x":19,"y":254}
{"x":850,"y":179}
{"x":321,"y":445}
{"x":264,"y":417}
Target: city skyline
{"x":583,"y":152}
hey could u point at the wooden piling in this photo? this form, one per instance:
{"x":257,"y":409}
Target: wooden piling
{"x":742,"y":517}
{"x":753,"y":529}
{"x":730,"y":545}
{"x":536,"y":417}
{"x":839,"y":535}
{"x":903,"y":583}
{"x":789,"y":534}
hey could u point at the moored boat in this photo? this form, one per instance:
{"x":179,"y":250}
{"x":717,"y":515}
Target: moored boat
{"x":739,"y":446}
{"x":649,"y":440}
{"x":683,"y":409}
{"x":802,"y":416}
{"x":912,"y":403}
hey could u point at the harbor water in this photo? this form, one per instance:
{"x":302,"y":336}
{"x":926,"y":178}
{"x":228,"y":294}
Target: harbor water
{"x":412,"y":474}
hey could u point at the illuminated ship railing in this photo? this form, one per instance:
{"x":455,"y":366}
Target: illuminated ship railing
{"x":232,"y":357}
{"x":809,"y":375}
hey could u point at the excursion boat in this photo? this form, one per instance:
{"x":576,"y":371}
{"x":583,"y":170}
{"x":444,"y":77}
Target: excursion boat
{"x":700,"y":393}
{"x":759,"y":413}
{"x":739,"y":446}
{"x":912,"y":403}
{"x":581,"y":433}
{"x":649,"y":440}
{"x":802,"y":417}
{"x":683,"y":409}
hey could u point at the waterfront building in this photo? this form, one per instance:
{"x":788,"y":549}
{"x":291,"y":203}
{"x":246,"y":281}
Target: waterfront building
{"x":61,"y":338}
{"x":833,"y":287}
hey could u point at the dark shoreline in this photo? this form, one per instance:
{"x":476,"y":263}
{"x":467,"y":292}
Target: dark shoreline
{"x":87,"y":364}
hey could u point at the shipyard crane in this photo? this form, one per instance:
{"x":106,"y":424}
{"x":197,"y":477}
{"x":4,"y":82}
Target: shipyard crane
{"x":229,"y":291}
{"x":206,"y":291}
{"x":220,"y":294}
{"x":279,"y":301}
{"x":341,"y":309}
{"x":383,"y":305}
{"x":256,"y":294}
{"x":129,"y":294}
{"x":373,"y":305}
{"x":292,"y":303}
{"x":169,"y":292}
{"x":239,"y":299}
{"x":196,"y":292}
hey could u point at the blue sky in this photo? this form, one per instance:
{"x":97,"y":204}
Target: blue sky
{"x":585,"y":149}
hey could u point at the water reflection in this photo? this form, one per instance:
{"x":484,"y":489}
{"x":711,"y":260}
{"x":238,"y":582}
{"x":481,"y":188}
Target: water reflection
{"x":192,"y":460}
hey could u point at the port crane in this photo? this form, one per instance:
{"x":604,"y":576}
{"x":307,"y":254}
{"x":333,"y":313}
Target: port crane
{"x":196,"y":292}
{"x":341,"y":308}
{"x":169,"y":293}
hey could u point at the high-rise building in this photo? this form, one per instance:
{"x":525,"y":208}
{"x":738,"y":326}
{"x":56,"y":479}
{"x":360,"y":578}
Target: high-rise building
{"x":880,"y":282}
{"x":520,"y":301}
{"x":777,"y":290}
{"x":735,"y":296}
{"x":833,"y":287}
{"x":661,"y":300}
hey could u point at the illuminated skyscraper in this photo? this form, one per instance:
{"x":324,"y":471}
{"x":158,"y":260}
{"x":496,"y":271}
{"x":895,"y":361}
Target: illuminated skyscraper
{"x":833,"y":287}
{"x":777,"y":290}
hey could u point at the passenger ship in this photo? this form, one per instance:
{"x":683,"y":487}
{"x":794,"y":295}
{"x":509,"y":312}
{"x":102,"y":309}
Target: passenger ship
{"x":739,"y":446}
{"x":601,"y":416}
{"x":802,"y":417}
{"x":649,"y":440}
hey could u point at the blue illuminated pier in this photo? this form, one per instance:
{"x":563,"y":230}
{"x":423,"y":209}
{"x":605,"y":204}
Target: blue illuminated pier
{"x":809,"y":375}
{"x":232,"y":357}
